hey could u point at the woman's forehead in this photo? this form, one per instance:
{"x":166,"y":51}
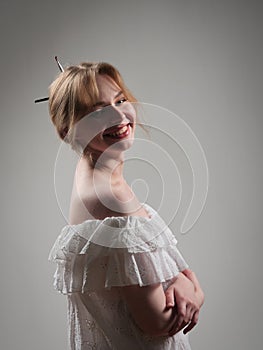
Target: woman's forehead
{"x":106,"y":85}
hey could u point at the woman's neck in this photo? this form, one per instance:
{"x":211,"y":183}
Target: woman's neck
{"x":106,"y":165}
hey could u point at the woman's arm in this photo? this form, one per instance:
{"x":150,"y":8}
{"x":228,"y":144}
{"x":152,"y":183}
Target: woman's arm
{"x":147,"y":306}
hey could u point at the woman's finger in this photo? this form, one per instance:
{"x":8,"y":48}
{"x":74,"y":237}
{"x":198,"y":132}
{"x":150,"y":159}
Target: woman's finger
{"x":193,"y":323}
{"x":192,"y":313}
{"x":177,"y":329}
{"x":181,"y":314}
{"x":188,"y":313}
{"x":169,"y":294}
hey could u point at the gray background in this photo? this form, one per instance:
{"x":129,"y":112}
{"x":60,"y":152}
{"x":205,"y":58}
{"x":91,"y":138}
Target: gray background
{"x":200,"y":59}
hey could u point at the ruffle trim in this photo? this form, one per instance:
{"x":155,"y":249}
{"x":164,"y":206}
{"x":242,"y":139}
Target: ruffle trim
{"x":136,"y":250}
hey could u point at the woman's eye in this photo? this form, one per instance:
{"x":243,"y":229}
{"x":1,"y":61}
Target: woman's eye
{"x":121,"y":101}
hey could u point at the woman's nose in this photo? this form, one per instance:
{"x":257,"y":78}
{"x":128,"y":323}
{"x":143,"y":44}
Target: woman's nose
{"x":116,"y":115}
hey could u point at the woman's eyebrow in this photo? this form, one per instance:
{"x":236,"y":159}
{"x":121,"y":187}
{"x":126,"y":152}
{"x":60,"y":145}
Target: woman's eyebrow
{"x":118,"y":94}
{"x":103,"y":103}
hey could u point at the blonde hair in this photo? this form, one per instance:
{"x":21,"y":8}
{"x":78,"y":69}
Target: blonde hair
{"x":75,"y":91}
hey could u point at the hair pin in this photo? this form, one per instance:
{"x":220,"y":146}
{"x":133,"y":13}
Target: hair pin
{"x":62,"y":70}
{"x":41,"y":99}
{"x":59,"y":64}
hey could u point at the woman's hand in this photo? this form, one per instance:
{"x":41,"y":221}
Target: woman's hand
{"x":189,"y":298}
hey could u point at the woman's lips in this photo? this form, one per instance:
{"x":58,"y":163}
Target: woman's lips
{"x":119,"y":132}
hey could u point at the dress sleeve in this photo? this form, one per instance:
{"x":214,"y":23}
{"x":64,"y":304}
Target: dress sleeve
{"x":97,"y":255}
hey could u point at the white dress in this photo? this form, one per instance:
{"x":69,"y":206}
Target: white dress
{"x":96,"y":255}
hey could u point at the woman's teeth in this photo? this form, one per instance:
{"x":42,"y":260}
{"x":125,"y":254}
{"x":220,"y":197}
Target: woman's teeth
{"x":119,"y":132}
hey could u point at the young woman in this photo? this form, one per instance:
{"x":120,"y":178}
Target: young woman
{"x":127,"y":285}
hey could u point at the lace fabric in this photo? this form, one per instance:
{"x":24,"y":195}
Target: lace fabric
{"x":95,"y":256}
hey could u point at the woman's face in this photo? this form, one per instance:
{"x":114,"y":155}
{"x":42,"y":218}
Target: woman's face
{"x":111,"y":124}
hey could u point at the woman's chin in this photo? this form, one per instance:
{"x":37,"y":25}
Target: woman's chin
{"x":121,"y":145}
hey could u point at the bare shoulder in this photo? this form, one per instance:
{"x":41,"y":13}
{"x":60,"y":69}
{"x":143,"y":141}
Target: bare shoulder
{"x":104,"y":205}
{"x":104,"y":200}
{"x":112,"y":203}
